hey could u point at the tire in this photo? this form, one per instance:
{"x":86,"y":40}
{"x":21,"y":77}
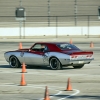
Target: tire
{"x":78,"y":66}
{"x":55,"y":64}
{"x":14,"y":62}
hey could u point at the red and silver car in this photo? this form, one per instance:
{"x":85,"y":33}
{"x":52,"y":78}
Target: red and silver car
{"x":56,"y":55}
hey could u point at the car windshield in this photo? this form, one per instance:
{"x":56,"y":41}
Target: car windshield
{"x":66,"y":46}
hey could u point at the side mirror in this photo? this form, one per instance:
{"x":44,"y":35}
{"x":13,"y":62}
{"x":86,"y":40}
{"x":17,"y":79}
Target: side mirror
{"x":29,"y":50}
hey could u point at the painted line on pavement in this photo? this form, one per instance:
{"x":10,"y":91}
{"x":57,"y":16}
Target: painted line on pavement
{"x":76,"y":92}
{"x":30,"y":85}
{"x":42,"y":86}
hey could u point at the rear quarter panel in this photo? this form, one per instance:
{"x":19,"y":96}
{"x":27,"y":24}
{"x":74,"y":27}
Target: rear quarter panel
{"x":63,"y":58}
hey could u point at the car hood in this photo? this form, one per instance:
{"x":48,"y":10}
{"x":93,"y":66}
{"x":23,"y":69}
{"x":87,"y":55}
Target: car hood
{"x":23,"y":50}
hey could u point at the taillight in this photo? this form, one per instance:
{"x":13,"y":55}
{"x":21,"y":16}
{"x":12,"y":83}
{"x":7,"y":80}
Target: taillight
{"x":89,"y":56}
{"x":73,"y":56}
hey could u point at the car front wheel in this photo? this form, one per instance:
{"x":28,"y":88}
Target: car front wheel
{"x":78,"y":66}
{"x":55,"y":64}
{"x":14,"y":63}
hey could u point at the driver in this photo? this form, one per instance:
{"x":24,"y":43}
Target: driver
{"x":42,"y":47}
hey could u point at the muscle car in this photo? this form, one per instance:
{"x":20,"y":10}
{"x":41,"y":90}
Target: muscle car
{"x":52,"y":54}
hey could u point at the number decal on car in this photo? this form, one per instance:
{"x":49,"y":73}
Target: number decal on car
{"x":21,"y":54}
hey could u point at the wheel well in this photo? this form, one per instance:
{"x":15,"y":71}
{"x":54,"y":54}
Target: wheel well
{"x":12,"y":56}
{"x":15,"y":57}
{"x":54,"y":57}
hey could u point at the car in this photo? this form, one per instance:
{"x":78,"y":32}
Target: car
{"x":56,"y":55}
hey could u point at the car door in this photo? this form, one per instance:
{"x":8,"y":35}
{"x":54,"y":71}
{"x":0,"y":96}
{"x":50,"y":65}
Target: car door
{"x":34,"y":56}
{"x":37,"y":57}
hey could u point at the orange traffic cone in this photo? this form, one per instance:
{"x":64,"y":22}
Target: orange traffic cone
{"x":22,"y":83}
{"x":46,"y":95}
{"x":71,"y":41}
{"x":23,"y":68}
{"x":69,"y":87}
{"x":91,"y":44}
{"x":20,"y":45}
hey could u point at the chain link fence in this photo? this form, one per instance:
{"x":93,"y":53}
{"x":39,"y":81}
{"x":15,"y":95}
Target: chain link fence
{"x":50,"y":26}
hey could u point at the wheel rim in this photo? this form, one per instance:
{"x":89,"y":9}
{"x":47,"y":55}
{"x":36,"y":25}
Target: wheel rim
{"x":54,"y":63}
{"x":13,"y":62}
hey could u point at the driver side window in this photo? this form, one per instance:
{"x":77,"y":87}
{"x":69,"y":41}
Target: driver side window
{"x":36,"y":47}
{"x":40,"y":47}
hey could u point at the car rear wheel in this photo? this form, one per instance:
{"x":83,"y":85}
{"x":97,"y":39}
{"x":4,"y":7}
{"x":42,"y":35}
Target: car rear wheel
{"x":14,"y":63}
{"x":78,"y":66}
{"x":55,"y":64}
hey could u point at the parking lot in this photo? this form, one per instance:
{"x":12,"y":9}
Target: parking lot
{"x":85,"y":82}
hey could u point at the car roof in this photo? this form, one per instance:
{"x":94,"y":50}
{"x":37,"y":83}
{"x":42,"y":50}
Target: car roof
{"x":51,"y":42}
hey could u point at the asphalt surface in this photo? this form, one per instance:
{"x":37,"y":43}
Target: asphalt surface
{"x":85,"y":82}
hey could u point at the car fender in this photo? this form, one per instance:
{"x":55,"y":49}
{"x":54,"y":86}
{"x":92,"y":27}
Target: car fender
{"x":63,"y":58}
{"x":7,"y":55}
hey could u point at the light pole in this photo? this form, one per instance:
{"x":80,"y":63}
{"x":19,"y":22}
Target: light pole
{"x":20,"y":16}
{"x":20,"y":22}
{"x":99,"y":12}
{"x":75,"y":12}
{"x":48,"y":12}
{"x":88,"y":25}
